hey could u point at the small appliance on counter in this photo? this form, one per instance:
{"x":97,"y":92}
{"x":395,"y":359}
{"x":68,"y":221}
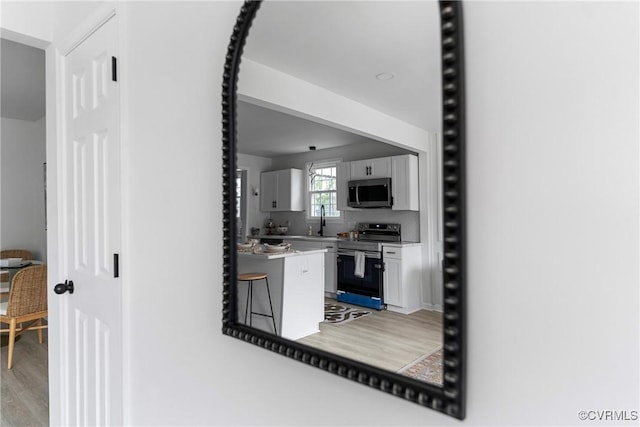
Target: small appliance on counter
{"x":270,"y":226}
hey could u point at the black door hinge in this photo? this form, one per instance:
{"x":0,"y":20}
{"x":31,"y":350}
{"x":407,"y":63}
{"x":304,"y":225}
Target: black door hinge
{"x":116,"y":265}
{"x":114,"y":69}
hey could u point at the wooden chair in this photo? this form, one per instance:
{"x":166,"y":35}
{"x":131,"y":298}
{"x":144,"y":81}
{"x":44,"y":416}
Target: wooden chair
{"x":16,"y":253}
{"x":27,"y":303}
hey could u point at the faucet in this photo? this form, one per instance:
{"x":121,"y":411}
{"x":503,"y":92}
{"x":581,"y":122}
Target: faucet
{"x":322,"y":221}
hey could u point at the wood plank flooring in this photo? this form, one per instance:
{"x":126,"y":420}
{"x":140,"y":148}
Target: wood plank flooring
{"x":384,"y":339}
{"x":24,"y":392}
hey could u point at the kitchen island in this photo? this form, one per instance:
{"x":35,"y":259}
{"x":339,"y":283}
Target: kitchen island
{"x":296,"y":282}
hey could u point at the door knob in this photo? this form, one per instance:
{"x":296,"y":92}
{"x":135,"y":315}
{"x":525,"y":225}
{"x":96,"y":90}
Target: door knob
{"x":61,"y":288}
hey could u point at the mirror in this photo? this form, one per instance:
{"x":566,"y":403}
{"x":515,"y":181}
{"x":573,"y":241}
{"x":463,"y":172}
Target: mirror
{"x":343,"y":191}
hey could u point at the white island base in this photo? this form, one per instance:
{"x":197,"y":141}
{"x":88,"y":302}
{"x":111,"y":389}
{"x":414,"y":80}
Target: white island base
{"x":296,"y":282}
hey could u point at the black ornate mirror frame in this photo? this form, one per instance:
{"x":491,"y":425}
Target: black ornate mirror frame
{"x":450,"y":397}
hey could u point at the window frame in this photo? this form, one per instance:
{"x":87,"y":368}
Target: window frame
{"x":242,"y":202}
{"x":331,"y":163}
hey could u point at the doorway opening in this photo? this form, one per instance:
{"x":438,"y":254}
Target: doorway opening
{"x":23,"y":218}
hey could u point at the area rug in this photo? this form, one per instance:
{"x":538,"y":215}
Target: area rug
{"x":426,"y":368}
{"x":334,"y":313}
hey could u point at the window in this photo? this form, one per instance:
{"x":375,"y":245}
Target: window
{"x":241,"y":203}
{"x":322,"y":185}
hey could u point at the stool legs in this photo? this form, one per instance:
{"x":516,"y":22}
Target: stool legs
{"x":248,"y":311}
{"x":249,"y":307}
{"x":271,"y":307}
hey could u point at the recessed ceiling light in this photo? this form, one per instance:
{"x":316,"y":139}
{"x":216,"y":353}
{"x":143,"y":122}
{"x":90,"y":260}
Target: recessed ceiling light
{"x":384,"y":76}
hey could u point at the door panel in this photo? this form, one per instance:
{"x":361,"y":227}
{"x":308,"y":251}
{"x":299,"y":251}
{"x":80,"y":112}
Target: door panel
{"x":87,"y":372}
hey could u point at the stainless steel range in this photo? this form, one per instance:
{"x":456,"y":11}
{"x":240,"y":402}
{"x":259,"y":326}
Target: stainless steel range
{"x":361,"y":267}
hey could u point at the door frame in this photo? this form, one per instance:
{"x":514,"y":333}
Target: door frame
{"x":55,"y":134}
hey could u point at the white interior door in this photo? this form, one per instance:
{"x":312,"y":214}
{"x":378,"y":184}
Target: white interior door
{"x":437,"y":281}
{"x":87,"y":366}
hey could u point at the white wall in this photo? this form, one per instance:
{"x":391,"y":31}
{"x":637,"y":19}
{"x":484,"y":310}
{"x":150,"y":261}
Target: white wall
{"x":553,"y":210}
{"x":22,"y":224}
{"x":27,"y":22}
{"x":254,"y":165}
{"x":552,"y":230}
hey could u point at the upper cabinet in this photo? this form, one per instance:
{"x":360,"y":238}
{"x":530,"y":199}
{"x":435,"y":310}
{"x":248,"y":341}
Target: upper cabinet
{"x":371,"y":168}
{"x":404,"y":183}
{"x":282,"y":190}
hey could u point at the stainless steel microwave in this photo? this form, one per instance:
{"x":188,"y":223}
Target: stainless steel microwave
{"x":370,"y":193}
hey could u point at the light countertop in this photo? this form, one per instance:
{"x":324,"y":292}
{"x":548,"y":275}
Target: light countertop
{"x":403,"y":243}
{"x":298,"y":237}
{"x":270,"y":255}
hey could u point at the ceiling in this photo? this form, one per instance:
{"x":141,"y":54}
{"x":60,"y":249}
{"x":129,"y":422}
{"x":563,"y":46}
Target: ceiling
{"x":338,"y":45}
{"x":341,"y":46}
{"x":22,"y":81}
{"x":279,"y":134}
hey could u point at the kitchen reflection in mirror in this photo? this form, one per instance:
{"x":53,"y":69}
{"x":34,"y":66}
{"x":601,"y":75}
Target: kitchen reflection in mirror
{"x":339,"y":189}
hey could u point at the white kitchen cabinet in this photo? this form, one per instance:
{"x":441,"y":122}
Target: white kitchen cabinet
{"x":371,"y":168}
{"x":404,"y":183}
{"x":402,"y":277}
{"x":282,"y":190}
{"x":392,"y":281}
{"x":330,"y":260}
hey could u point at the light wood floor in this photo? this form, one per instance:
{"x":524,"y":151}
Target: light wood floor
{"x":25,"y":387}
{"x":383,"y":339}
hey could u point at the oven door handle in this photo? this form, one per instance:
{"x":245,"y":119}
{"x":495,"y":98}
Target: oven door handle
{"x":351,"y":253}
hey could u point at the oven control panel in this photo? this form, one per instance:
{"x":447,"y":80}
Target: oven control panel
{"x":393,"y":228}
{"x":379,"y":232}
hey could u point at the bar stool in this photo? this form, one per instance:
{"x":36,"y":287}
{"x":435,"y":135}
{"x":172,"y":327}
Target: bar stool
{"x":250,"y":277}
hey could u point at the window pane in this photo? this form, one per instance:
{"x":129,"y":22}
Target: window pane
{"x":238,"y":196}
{"x":322,"y":191}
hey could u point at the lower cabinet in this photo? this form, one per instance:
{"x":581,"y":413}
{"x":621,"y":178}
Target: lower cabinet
{"x":330,"y":260}
{"x":392,"y":281}
{"x":402,"y":277}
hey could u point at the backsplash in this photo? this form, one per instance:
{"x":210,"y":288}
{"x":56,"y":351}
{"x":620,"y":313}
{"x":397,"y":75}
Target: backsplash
{"x":299,"y":224}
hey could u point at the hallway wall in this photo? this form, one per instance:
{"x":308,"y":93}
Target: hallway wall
{"x":22,"y":216}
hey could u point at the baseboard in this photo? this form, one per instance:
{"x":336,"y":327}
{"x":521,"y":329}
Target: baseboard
{"x":433,"y":307}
